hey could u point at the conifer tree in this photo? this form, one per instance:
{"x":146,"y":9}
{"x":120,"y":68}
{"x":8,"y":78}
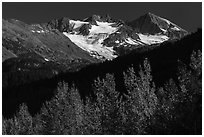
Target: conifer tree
{"x":190,"y":81}
{"x":21,"y":124}
{"x":141,"y":99}
{"x":107,"y":103}
{"x":92,"y":117}
{"x":64,"y":113}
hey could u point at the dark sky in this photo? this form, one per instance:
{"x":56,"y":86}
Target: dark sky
{"x":186,"y":15}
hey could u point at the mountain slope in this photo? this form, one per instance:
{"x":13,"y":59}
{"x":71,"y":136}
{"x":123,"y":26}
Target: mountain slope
{"x":25,"y":40}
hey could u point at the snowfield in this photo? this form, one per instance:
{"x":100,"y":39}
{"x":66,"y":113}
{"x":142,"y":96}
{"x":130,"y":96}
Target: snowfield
{"x":103,"y":27}
{"x":92,"y":46}
{"x":93,"y":42}
{"x":153,"y":39}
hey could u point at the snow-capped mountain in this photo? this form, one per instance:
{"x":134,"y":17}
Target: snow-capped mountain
{"x":93,"y":38}
{"x":103,"y":37}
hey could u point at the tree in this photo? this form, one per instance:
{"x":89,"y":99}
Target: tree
{"x":190,"y":82}
{"x":21,"y":124}
{"x":196,"y":62}
{"x":64,"y":113}
{"x":180,"y":109}
{"x":166,"y":114}
{"x":92,"y":117}
{"x":141,"y":100}
{"x":107,"y":103}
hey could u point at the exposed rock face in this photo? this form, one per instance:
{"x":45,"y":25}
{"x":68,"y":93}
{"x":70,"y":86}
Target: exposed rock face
{"x":153,"y":24}
{"x":99,"y":18}
{"x":107,"y":18}
{"x":146,"y":24}
{"x":84,"y":29}
{"x":120,"y":36}
{"x":61,"y":24}
{"x":92,"y":20}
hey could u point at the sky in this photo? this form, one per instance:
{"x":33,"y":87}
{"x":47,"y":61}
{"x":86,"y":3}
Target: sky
{"x":187,"y":15}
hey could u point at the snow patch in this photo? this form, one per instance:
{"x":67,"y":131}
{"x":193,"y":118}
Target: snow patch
{"x":175,"y":28}
{"x":76,"y":23}
{"x":46,"y":59}
{"x":39,"y":31}
{"x":131,"y":41}
{"x":163,"y":30}
{"x":152,"y":39}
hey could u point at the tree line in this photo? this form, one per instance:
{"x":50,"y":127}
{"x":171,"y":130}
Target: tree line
{"x":173,"y":108}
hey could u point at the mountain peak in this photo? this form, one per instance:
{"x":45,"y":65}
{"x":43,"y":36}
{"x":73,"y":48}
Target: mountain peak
{"x":149,"y":13}
{"x":153,"y":24}
{"x":62,"y":24}
{"x":93,"y":18}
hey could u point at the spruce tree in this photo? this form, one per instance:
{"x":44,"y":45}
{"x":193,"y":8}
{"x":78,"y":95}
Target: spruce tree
{"x":141,"y":100}
{"x":107,"y":104}
{"x":64,"y":113}
{"x":21,"y":124}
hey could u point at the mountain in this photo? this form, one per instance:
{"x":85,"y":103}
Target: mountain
{"x":65,"y":44}
{"x":106,"y":38}
{"x":89,"y":40}
{"x":153,"y":24}
{"x":35,"y":51}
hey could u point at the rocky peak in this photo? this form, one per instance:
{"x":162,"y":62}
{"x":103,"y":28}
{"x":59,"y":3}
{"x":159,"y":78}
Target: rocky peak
{"x":146,"y":24}
{"x":61,"y":24}
{"x":107,"y":18}
{"x":153,"y":24}
{"x":93,"y":19}
{"x":99,"y":18}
